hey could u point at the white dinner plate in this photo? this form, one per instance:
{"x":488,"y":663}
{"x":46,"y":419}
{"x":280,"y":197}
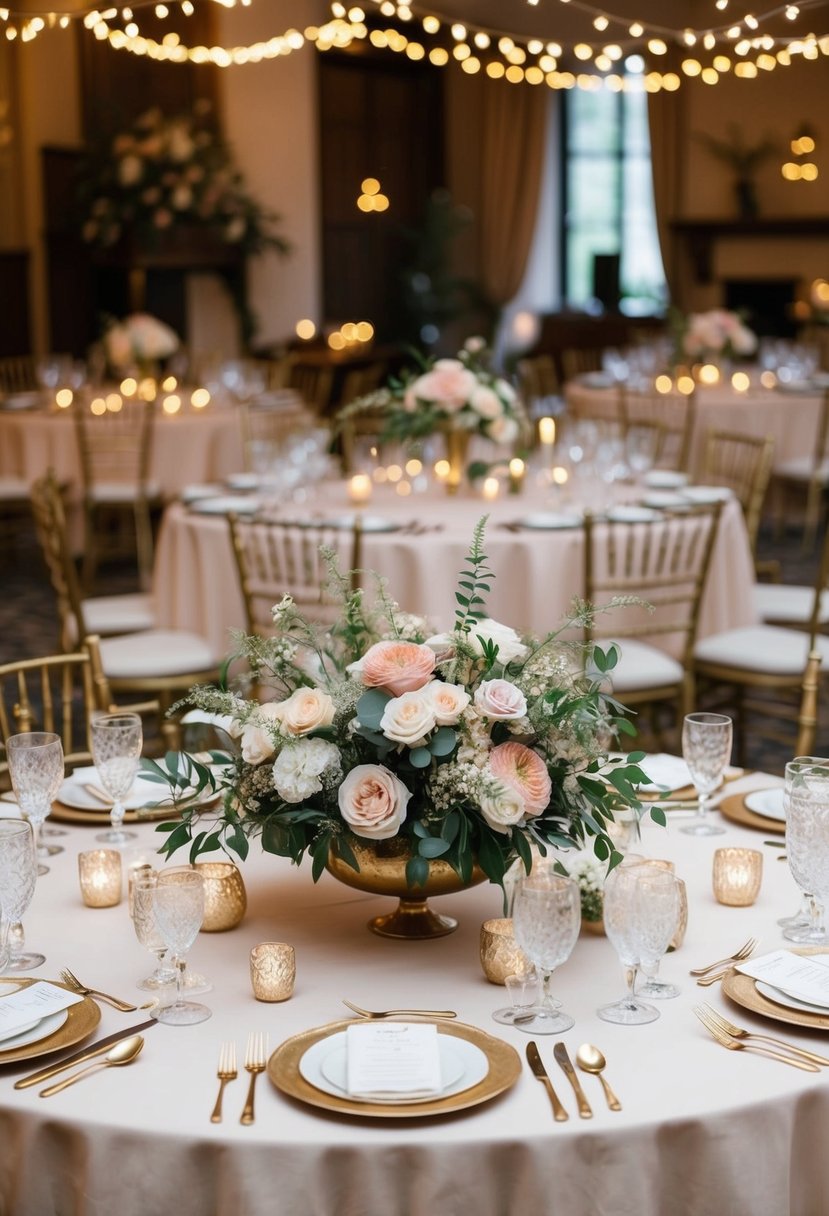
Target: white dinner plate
{"x":244,"y":481}
{"x":768,"y":803}
{"x":544,"y":520}
{"x":226,"y":504}
{"x":35,"y":1031}
{"x":667,"y":500}
{"x":665,"y":479}
{"x":369,"y":523}
{"x":21,"y":401}
{"x":706,"y":494}
{"x":323,"y":1066}
{"x":782,"y":998}
{"x":194,"y":493}
{"x":632,"y":514}
{"x":596,"y":380}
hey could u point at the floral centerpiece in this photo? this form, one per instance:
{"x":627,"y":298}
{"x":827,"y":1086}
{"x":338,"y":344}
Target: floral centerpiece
{"x":718,"y":333}
{"x":470,"y":746}
{"x":139,"y":341}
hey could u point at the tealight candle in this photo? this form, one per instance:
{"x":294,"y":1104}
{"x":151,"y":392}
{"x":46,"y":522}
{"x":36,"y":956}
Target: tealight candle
{"x":737,"y":876}
{"x":100,"y":876}
{"x":500,"y":953}
{"x":547,"y":432}
{"x":272,"y":971}
{"x":225,"y":898}
{"x":516,"y":474}
{"x":359,"y":488}
{"x":491,"y":488}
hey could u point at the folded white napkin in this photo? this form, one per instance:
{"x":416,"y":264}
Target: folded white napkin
{"x":142,"y":792}
{"x":665,"y":772}
{"x":30,"y":1004}
{"x":392,"y":1058}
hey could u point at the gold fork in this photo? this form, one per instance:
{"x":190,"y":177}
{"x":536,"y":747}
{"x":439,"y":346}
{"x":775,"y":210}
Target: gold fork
{"x":738,"y":956}
{"x":736,"y":1045}
{"x":391,"y":1013}
{"x":226,"y":1072}
{"x":255,"y":1061}
{"x":72,"y":981}
{"x":738,"y":1032}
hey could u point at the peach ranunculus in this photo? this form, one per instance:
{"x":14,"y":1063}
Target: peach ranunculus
{"x":448,"y":384}
{"x":448,"y":701}
{"x":523,"y":770}
{"x":409,"y":718}
{"x":397,"y":667}
{"x":305,"y":710}
{"x":373,"y":801}
{"x":500,"y":700}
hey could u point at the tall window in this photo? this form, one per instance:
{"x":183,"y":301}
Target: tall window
{"x":608,"y":202}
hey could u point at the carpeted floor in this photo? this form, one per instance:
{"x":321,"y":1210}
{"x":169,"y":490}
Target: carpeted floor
{"x":29,"y":622}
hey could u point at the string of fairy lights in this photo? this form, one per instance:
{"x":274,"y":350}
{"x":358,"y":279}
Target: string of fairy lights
{"x":617,"y":54}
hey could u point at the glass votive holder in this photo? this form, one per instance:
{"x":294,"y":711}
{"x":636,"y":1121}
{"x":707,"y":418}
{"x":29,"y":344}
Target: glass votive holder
{"x":272,"y":971}
{"x":737,"y":876}
{"x":225,"y":898}
{"x":500,"y":953}
{"x":99,"y":872}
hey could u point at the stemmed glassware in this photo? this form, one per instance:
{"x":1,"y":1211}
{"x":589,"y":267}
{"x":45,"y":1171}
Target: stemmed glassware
{"x":807,"y":837}
{"x":179,"y":912}
{"x":18,"y":874}
{"x":147,"y":931}
{"x":546,"y":918}
{"x":117,"y":740}
{"x":36,"y":769}
{"x":653,"y":987}
{"x":641,"y":911}
{"x":806,"y":924}
{"x":706,"y":749}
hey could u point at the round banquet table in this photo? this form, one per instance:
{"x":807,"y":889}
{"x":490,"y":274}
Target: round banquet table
{"x":702,"y":1130}
{"x":192,"y":446}
{"x":537,"y":573}
{"x":790,"y":418}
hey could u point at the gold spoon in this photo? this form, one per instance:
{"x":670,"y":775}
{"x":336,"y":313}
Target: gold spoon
{"x":122,"y":1053}
{"x":590,"y":1059}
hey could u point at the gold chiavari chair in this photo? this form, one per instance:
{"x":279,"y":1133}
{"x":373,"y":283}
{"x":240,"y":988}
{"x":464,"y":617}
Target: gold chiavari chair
{"x":279,"y":557}
{"x":805,"y":477}
{"x":575,"y":361}
{"x":743,"y":463}
{"x":17,"y":375}
{"x":674,"y":411}
{"x":267,"y":422}
{"x":314,"y":381}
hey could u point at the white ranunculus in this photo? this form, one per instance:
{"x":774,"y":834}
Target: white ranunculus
{"x":486,"y":402}
{"x":299,"y":766}
{"x":502,"y":808}
{"x":373,"y":801}
{"x":507,"y":640}
{"x":503,"y":429}
{"x":500,"y":700}
{"x":257,"y":744}
{"x":448,"y":701}
{"x":409,"y":718}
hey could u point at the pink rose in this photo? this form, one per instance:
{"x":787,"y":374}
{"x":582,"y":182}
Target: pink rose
{"x":500,"y":700}
{"x":449,"y":385}
{"x":522,"y":770}
{"x":373,"y":801}
{"x":397,"y":667}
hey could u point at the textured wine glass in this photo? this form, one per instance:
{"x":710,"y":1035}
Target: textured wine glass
{"x":806,"y":925}
{"x":18,"y":875}
{"x":546,"y":920}
{"x":36,"y":770}
{"x":641,"y":910}
{"x":117,"y":740}
{"x":653,"y":987}
{"x":706,"y":749}
{"x":179,"y":912}
{"x":807,"y":835}
{"x":147,"y":931}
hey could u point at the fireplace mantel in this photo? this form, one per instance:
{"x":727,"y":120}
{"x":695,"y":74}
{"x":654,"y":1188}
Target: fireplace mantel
{"x":702,"y":235}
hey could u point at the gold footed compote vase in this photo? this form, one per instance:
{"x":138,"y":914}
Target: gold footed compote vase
{"x":383,"y":872}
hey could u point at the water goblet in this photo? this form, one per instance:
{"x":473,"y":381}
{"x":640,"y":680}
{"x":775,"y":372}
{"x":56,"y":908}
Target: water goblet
{"x":706,"y":749}
{"x":116,"y":749}
{"x":546,"y":919}
{"x":522,"y":991}
{"x":641,"y":911}
{"x":18,"y":874}
{"x":36,"y":770}
{"x":805,"y":926}
{"x":807,"y":839}
{"x":147,"y":931}
{"x":179,"y":912}
{"x":653,"y":987}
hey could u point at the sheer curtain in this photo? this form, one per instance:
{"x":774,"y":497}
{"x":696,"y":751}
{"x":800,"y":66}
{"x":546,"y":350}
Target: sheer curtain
{"x":668,"y":123}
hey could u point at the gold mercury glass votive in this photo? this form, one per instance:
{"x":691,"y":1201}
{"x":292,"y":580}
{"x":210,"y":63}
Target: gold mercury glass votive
{"x":272,"y":971}
{"x":225,"y":898}
{"x":99,"y":872}
{"x":737,"y":876}
{"x":500,"y":953}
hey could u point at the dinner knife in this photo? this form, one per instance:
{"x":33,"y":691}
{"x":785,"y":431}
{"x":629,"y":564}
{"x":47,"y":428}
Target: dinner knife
{"x":560,"y":1053}
{"x":540,"y":1073}
{"x":86,"y":1053}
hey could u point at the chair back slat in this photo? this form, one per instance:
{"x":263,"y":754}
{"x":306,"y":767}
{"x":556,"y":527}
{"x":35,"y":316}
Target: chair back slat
{"x":744,"y":464}
{"x":674,"y":412}
{"x":266,"y":423}
{"x":53,"y":539}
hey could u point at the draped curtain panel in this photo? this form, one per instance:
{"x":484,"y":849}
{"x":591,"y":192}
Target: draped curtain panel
{"x":667,"y":119}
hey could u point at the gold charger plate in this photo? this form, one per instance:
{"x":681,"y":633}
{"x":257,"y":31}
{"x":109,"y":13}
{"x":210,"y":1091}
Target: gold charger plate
{"x":61,"y":813}
{"x":735,"y":809}
{"x":504,"y":1071}
{"x":82,"y":1020}
{"x":741,"y":990}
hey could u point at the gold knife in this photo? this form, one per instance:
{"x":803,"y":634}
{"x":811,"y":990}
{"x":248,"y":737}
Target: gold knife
{"x":86,"y":1053}
{"x":560,"y":1053}
{"x":540,"y":1073}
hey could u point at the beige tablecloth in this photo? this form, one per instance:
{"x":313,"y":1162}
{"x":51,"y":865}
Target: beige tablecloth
{"x":537,"y":572}
{"x":702,"y":1130}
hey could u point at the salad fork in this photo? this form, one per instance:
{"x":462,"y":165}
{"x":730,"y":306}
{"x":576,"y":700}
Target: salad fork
{"x":726,"y":1040}
{"x":72,"y":981}
{"x":226,"y":1072}
{"x":738,"y":1032}
{"x":391,"y":1013}
{"x":738,"y":956}
{"x":256,"y":1058}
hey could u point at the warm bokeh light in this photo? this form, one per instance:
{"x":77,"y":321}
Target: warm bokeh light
{"x":442,"y":469}
{"x":394,"y":472}
{"x":560,"y":475}
{"x":740,"y":382}
{"x":685,"y":385}
{"x":306,"y":329}
{"x":114,"y":402}
{"x":64,"y":398}
{"x":663,"y":384}
{"x":547,"y":431}
{"x":98,"y":406}
{"x":768,"y":379}
{"x":490,"y":488}
{"x":414,"y":467}
{"x":171,"y":404}
{"x":200,"y":398}
{"x":709,"y":374}
{"x":129,"y":386}
{"x":169,"y":384}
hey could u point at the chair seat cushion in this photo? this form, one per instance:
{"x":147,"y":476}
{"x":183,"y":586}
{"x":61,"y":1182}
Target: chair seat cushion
{"x":116,"y":492}
{"x":767,"y":649}
{"x":14,"y":489}
{"x":642,"y":666}
{"x":801,"y":468}
{"x":156,"y":653}
{"x":108,"y":615}
{"x":779,"y":602}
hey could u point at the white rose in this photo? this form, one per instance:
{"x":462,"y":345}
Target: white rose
{"x":486,"y":402}
{"x":299,"y":766}
{"x":448,"y":701}
{"x":257,"y":744}
{"x":505,"y":390}
{"x":502,"y":808}
{"x":409,"y":718}
{"x":305,"y":710}
{"x":509,"y":644}
{"x":443,"y":645}
{"x":501,"y":700}
{"x":373,"y":801}
{"x":744,"y":341}
{"x":503,"y":429}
